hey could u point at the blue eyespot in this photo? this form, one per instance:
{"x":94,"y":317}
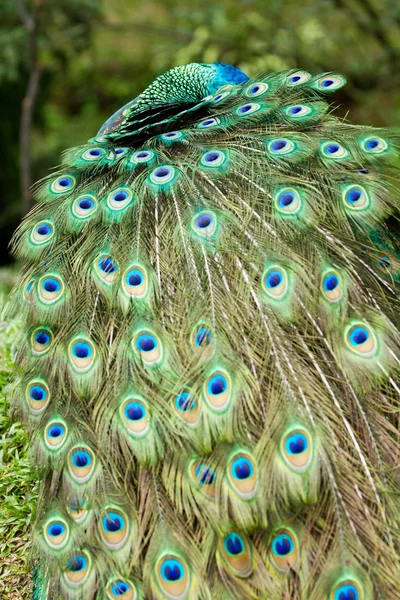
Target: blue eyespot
{"x":107,"y":265}
{"x":273,"y":279}
{"x":143,"y":155}
{"x":234,"y":544}
{"x":113,"y":522}
{"x":384,"y":262}
{"x":295,"y":110}
{"x":185,"y":402}
{"x":172,"y":570}
{"x":353,"y":196}
{"x":327,"y":83}
{"x":163,"y":172}
{"x":244,"y":109}
{"x":56,"y":529}
{"x":119,"y":151}
{"x":242,"y":468}
{"x":346,"y":592}
{"x":134,"y":411}
{"x":86,"y":203}
{"x":208,"y":123}
{"x":217,"y":385}
{"x":120,"y":196}
{"x":38,"y":392}
{"x":205,"y":475}
{"x":203,"y":338}
{"x":330,"y":283}
{"x":120,"y":588}
{"x":294,"y":78}
{"x":279,"y":145}
{"x":332,"y":148}
{"x":65,"y":182}
{"x":296,"y":443}
{"x":43,"y":229}
{"x":81,"y":459}
{"x":56,"y":431}
{"x":82,"y":350}
{"x":358,"y":336}
{"x":134,"y":277}
{"x":77,"y":563}
{"x":286,"y":199}
{"x":29,"y":287}
{"x":211,"y":157}
{"x":254,"y":89}
{"x":372,"y":144}
{"x":95,"y":152}
{"x":51,"y":285}
{"x":204,"y":221}
{"x":146,"y":342}
{"x":282,"y":545}
{"x":42,"y":338}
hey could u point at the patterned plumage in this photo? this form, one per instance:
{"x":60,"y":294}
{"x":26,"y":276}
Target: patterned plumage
{"x":208,"y":372}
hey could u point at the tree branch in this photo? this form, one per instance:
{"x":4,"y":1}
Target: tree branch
{"x":28,"y":104}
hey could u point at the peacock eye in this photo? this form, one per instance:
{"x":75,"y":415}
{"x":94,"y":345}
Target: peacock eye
{"x":63,"y":184}
{"x":257,"y":89}
{"x":163,"y":175}
{"x":213,"y":159}
{"x":208,"y":123}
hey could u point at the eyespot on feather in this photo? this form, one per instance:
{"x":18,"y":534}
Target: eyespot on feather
{"x":334,"y":150}
{"x":63,"y":184}
{"x":284,"y":551}
{"x":107,"y":268}
{"x":248,"y":109}
{"x":288,"y":202}
{"x":51,"y":289}
{"x":217,"y":391}
{"x":297,"y":78}
{"x":280,"y":146}
{"x":256,"y":89}
{"x":82,"y":354}
{"x":214,"y":159}
{"x":121,"y":589}
{"x":374,"y":145}
{"x":328,"y":83}
{"x":78,"y":570}
{"x":204,"y":224}
{"x":242,"y":475}
{"x":296,"y":450}
{"x":81,"y":463}
{"x":135,"y":416}
{"x":143,"y":157}
{"x":361,"y":339}
{"x":114,"y":528}
{"x":297,"y":111}
{"x":119,"y":198}
{"x":55,"y":435}
{"x":77,"y":508}
{"x":135,"y":282}
{"x":187,"y":408}
{"x":84,"y":206}
{"x":347,"y":590}
{"x":173,"y":577}
{"x":332,"y":286}
{"x":148,"y":346}
{"x":201,"y":337}
{"x":93,"y":154}
{"x":41,"y":340}
{"x":56,"y":533}
{"x":163,"y":175}
{"x":37,"y":396}
{"x":236,"y":552}
{"x":276,"y":282}
{"x":355,"y":198}
{"x":42,"y":233}
{"x":204,"y":477}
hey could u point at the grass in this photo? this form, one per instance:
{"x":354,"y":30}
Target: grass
{"x":18,"y":480}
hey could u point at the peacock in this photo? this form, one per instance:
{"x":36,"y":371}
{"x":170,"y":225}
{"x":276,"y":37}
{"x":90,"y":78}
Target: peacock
{"x":209,"y":365}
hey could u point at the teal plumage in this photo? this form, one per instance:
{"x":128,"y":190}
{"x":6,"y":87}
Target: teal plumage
{"x":209,"y":370}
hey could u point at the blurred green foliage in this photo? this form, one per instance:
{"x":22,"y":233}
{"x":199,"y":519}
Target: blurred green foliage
{"x":96,"y":55}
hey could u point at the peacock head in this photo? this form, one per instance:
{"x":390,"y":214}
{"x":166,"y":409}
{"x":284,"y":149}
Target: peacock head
{"x":182,"y":85}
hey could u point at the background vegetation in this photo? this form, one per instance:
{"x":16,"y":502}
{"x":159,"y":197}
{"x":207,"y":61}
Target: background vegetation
{"x":66,"y":65}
